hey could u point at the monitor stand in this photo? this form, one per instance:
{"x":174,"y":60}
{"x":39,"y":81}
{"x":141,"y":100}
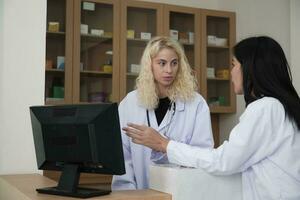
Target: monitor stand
{"x":67,"y":185}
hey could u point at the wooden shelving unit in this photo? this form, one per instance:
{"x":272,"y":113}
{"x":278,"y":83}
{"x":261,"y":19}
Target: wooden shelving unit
{"x":58,"y":44}
{"x":186,"y":21}
{"x":140,"y":17}
{"x":217,"y":91}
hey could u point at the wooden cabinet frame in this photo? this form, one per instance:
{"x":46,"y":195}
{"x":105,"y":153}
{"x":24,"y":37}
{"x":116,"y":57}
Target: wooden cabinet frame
{"x":123,"y":36}
{"x":197,"y":21}
{"x":232,"y":35}
{"x":76,"y":49}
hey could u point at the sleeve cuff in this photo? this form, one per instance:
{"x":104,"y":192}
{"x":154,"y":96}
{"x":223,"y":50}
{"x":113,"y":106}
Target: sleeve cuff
{"x":171,"y":149}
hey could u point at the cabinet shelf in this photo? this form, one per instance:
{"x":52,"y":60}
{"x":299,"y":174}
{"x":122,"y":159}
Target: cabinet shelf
{"x":219,"y":109}
{"x":217,"y":47}
{"x":55,"y":70}
{"x":95,"y":38}
{"x":55,"y":35}
{"x":95,"y":73}
{"x":187,"y":43}
{"x":218,"y":79}
{"x":54,"y":101}
{"x":132,"y":75}
{"x":137,"y":42}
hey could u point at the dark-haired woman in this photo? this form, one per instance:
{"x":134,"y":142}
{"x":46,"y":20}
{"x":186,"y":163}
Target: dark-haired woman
{"x":265,"y":145}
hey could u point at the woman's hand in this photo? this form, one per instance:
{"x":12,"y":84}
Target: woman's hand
{"x":146,"y":136}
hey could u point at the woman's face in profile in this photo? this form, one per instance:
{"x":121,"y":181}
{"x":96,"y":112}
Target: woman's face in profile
{"x":164,"y":67}
{"x":237,"y":76}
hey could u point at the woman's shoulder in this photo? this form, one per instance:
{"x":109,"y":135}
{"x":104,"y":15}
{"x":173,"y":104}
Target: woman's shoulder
{"x":196,"y":100}
{"x":266,"y":105}
{"x":131,"y":98}
{"x":266,"y":102}
{"x":197,"y":97}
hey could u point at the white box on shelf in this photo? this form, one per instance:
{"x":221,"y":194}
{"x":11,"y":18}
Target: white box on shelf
{"x":88,"y":6}
{"x":135,"y":68}
{"x":221,"y":41}
{"x":211,"y":40}
{"x":60,"y":62}
{"x":97,"y":32}
{"x":174,"y":34}
{"x":84,"y":29}
{"x":81,"y":66}
{"x":210,"y":72}
{"x":191,"y":36}
{"x":145,"y":36}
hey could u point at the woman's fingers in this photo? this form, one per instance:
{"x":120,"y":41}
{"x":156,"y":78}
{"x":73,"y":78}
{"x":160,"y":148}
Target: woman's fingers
{"x":136,"y":126}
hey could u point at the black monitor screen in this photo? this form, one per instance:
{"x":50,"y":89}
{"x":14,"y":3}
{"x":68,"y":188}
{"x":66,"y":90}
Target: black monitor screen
{"x":77,"y":138}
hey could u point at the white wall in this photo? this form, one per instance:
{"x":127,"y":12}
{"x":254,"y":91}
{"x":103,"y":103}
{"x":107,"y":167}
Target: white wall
{"x":22,"y":80}
{"x":22,"y":36}
{"x":1,"y":72}
{"x":295,"y":43}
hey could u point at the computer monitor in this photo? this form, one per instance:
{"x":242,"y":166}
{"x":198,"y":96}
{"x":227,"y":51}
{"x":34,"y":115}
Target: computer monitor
{"x":75,"y":139}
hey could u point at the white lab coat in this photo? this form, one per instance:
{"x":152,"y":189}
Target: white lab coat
{"x":264,"y":146}
{"x":190,"y":124}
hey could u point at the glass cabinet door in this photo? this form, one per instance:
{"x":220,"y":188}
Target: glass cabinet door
{"x":96,"y":54}
{"x":183,"y":25}
{"x":219,"y":36}
{"x":58,"y":69}
{"x":140,"y":21}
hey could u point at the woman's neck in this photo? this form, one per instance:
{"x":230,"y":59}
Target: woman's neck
{"x":162,"y":91}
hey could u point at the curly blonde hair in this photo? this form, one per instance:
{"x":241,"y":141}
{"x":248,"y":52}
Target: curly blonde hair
{"x":183,"y":86}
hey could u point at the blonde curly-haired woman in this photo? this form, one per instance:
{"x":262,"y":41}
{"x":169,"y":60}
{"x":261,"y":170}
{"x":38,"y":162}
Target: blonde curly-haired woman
{"x":165,"y":101}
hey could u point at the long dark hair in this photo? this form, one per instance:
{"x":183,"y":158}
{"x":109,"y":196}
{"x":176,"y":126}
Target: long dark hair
{"x":266,"y":73}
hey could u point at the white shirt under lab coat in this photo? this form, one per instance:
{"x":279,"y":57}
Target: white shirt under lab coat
{"x":190,"y":124}
{"x":264,"y":146}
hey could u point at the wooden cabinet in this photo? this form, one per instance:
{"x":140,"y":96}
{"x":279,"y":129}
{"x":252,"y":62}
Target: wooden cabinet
{"x":183,"y":24}
{"x":96,"y":51}
{"x":82,"y":54}
{"x":140,"y":21}
{"x":218,"y":36}
{"x":59,"y":39}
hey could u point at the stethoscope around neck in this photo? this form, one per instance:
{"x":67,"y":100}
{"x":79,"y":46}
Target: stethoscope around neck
{"x":172,"y":105}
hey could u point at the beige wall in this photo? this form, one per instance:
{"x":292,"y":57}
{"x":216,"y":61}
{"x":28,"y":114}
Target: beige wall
{"x":22,"y":47}
{"x":295,"y":43}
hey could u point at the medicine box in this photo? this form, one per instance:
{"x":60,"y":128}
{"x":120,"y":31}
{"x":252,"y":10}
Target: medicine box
{"x":183,"y":37}
{"x":97,"y":32}
{"x":174,"y":34}
{"x":88,"y":6}
{"x":210,"y":72}
{"x":84,"y":29}
{"x":130,"y":34}
{"x":145,"y":36}
{"x":53,"y":26}
{"x":222,"y":73}
{"x":191,"y":37}
{"x":134,"y":68}
{"x":60,"y":62}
